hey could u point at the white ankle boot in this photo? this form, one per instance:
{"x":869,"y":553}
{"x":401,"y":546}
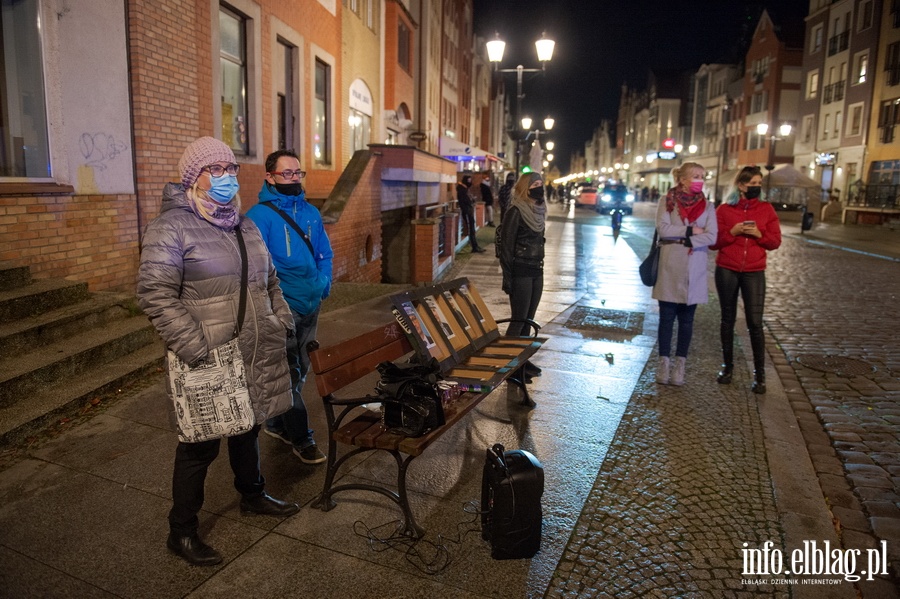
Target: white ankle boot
{"x":678,"y":374}
{"x":662,"y":371}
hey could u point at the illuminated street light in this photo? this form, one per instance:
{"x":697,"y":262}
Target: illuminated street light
{"x":526,"y":123}
{"x":495,"y":50}
{"x":762,"y":129}
{"x":550,"y":145}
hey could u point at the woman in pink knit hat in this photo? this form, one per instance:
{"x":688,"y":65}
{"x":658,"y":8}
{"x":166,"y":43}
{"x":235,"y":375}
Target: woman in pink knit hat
{"x":189,"y":285}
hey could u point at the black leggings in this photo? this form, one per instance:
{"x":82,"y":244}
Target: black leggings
{"x":752,"y":287}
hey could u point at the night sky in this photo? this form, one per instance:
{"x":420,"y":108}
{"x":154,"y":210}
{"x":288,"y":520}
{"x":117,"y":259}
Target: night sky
{"x":601,"y":44}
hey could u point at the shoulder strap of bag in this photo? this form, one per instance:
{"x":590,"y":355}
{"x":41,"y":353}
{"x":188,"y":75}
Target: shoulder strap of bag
{"x":242,"y":304}
{"x":293,"y":224}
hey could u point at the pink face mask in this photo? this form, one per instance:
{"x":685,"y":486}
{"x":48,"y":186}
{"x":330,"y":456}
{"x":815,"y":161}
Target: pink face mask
{"x":696,"y":186}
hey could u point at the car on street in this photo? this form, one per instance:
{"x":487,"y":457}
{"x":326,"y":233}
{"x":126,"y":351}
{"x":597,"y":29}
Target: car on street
{"x":585,"y":194}
{"x":615,"y":196}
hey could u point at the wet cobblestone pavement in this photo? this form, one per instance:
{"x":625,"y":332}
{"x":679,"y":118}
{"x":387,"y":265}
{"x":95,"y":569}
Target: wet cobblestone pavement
{"x":682,"y":488}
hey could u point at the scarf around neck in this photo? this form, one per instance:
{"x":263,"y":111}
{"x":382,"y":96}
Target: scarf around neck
{"x":690,"y":205}
{"x":224,"y":216}
{"x":533,"y":214}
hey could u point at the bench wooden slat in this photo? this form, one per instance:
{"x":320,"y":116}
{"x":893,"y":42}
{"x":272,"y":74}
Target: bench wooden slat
{"x":325,"y":359}
{"x":339,"y":376}
{"x":349,"y":432}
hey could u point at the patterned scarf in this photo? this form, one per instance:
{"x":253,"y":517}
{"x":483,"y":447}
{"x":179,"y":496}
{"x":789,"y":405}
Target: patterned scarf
{"x":533,"y":214}
{"x":224,"y":216}
{"x":690,"y":205}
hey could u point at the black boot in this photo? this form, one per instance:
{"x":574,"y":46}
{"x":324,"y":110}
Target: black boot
{"x":192,"y":550}
{"x":531,"y":370}
{"x":266,"y":505}
{"x":759,"y":382}
{"x":725,"y":375}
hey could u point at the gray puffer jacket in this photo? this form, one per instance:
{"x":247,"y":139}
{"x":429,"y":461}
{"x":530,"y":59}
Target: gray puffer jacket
{"x":188,"y":285}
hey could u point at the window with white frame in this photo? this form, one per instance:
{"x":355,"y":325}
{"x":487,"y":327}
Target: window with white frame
{"x":855,"y":124}
{"x":838,"y":123}
{"x":866,"y":14}
{"x":233,"y":63}
{"x":815,"y":38}
{"x":860,"y":68}
{"x":322,"y":114}
{"x":812,"y":85}
{"x":809,"y":125}
{"x":24,"y":139}
{"x":826,"y":126}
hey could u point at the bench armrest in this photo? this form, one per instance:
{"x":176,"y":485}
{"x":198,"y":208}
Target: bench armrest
{"x":527,"y":321}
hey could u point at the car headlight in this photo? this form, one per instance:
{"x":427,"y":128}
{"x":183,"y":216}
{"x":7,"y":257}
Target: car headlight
{"x":606,"y":197}
{"x":629,"y":197}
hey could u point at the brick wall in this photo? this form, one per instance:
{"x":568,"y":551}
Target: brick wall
{"x":86,"y":238}
{"x":356,"y":236}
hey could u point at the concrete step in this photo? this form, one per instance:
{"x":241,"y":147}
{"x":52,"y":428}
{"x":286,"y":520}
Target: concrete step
{"x":70,"y":359}
{"x":43,"y":406}
{"x":27,"y":334}
{"x":40,"y":296}
{"x":13,"y":275}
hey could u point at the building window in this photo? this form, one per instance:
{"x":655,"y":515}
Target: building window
{"x":855,"y":124}
{"x":838,"y":123}
{"x":815,"y":39}
{"x":809,"y":124}
{"x":866,"y":13}
{"x":861,"y":68}
{"x":360,"y":130}
{"x":812,"y":85}
{"x":827,"y":126}
{"x":24,"y":141}
{"x":892,"y":63}
{"x":322,"y":109}
{"x":403,"y":47}
{"x":372,"y":14}
{"x":233,"y":61}
{"x":354,"y":6}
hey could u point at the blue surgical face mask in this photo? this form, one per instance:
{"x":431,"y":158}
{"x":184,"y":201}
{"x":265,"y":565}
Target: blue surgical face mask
{"x":223,"y":188}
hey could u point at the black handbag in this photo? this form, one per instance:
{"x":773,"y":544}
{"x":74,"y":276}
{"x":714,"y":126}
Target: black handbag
{"x":649,"y":268}
{"x":410,"y":403}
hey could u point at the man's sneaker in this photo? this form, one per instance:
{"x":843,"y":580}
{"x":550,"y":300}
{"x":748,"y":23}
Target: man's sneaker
{"x":310,"y":455}
{"x":280,"y":435}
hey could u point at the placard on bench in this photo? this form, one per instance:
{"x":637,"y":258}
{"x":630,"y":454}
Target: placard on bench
{"x":452,"y":323}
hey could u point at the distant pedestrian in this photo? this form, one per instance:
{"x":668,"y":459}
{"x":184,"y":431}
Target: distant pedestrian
{"x":303,"y":257}
{"x":505,"y":194}
{"x":487,"y":196}
{"x":748,"y":229}
{"x":467,"y":210}
{"x":686,"y":223}
{"x":189,"y":282}
{"x":522,"y":255}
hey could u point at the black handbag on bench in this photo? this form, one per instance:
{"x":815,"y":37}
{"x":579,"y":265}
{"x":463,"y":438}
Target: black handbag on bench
{"x":410,"y":403}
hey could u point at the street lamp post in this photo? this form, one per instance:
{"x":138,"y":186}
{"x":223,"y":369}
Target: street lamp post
{"x":495,"y":49}
{"x":762,"y":129}
{"x":526,"y":125}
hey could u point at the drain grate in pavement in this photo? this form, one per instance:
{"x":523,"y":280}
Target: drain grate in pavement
{"x":599,"y":320}
{"x":838,"y":365}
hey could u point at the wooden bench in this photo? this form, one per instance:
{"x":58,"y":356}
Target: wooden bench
{"x":449,"y":322}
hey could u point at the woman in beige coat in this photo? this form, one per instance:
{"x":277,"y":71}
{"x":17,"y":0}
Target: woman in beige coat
{"x":189,"y":286}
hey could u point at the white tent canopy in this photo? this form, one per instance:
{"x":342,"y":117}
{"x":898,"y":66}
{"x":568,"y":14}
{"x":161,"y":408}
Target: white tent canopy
{"x":788,"y":176}
{"x":787,"y":187}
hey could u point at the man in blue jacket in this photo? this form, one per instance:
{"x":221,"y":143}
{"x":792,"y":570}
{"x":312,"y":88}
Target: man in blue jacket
{"x":293,"y":231}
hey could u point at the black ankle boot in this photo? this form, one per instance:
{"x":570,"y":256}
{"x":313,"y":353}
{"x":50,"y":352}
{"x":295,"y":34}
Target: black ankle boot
{"x":725,"y":375}
{"x":192,"y":550}
{"x":759,"y":383}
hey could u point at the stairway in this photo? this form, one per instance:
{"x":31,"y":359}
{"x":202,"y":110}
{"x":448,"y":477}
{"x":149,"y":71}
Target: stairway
{"x":61,"y":346}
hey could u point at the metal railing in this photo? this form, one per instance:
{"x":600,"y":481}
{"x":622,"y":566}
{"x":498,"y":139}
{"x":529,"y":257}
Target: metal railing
{"x":442,"y":235}
{"x":876,"y":196}
{"x":838,"y":43}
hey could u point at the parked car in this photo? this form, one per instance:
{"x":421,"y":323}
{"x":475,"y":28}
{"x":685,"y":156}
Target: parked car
{"x":616,"y":196}
{"x":585,"y":194}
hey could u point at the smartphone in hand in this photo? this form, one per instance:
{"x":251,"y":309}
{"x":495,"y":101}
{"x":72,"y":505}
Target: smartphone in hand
{"x":749,"y":223}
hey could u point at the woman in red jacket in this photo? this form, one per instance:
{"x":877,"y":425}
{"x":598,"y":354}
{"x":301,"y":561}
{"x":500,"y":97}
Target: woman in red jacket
{"x":748,"y":228}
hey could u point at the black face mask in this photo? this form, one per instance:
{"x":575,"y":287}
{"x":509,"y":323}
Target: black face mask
{"x":753,"y":192}
{"x":289,"y":189}
{"x":537,"y":194}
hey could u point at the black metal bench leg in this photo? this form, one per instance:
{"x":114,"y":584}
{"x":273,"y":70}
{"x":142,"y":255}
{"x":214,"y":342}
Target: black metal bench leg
{"x":324,"y":501}
{"x":526,"y":398}
{"x":410,"y":527}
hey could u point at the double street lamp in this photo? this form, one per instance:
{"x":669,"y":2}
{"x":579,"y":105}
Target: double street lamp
{"x":762,"y":129}
{"x":495,"y":49}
